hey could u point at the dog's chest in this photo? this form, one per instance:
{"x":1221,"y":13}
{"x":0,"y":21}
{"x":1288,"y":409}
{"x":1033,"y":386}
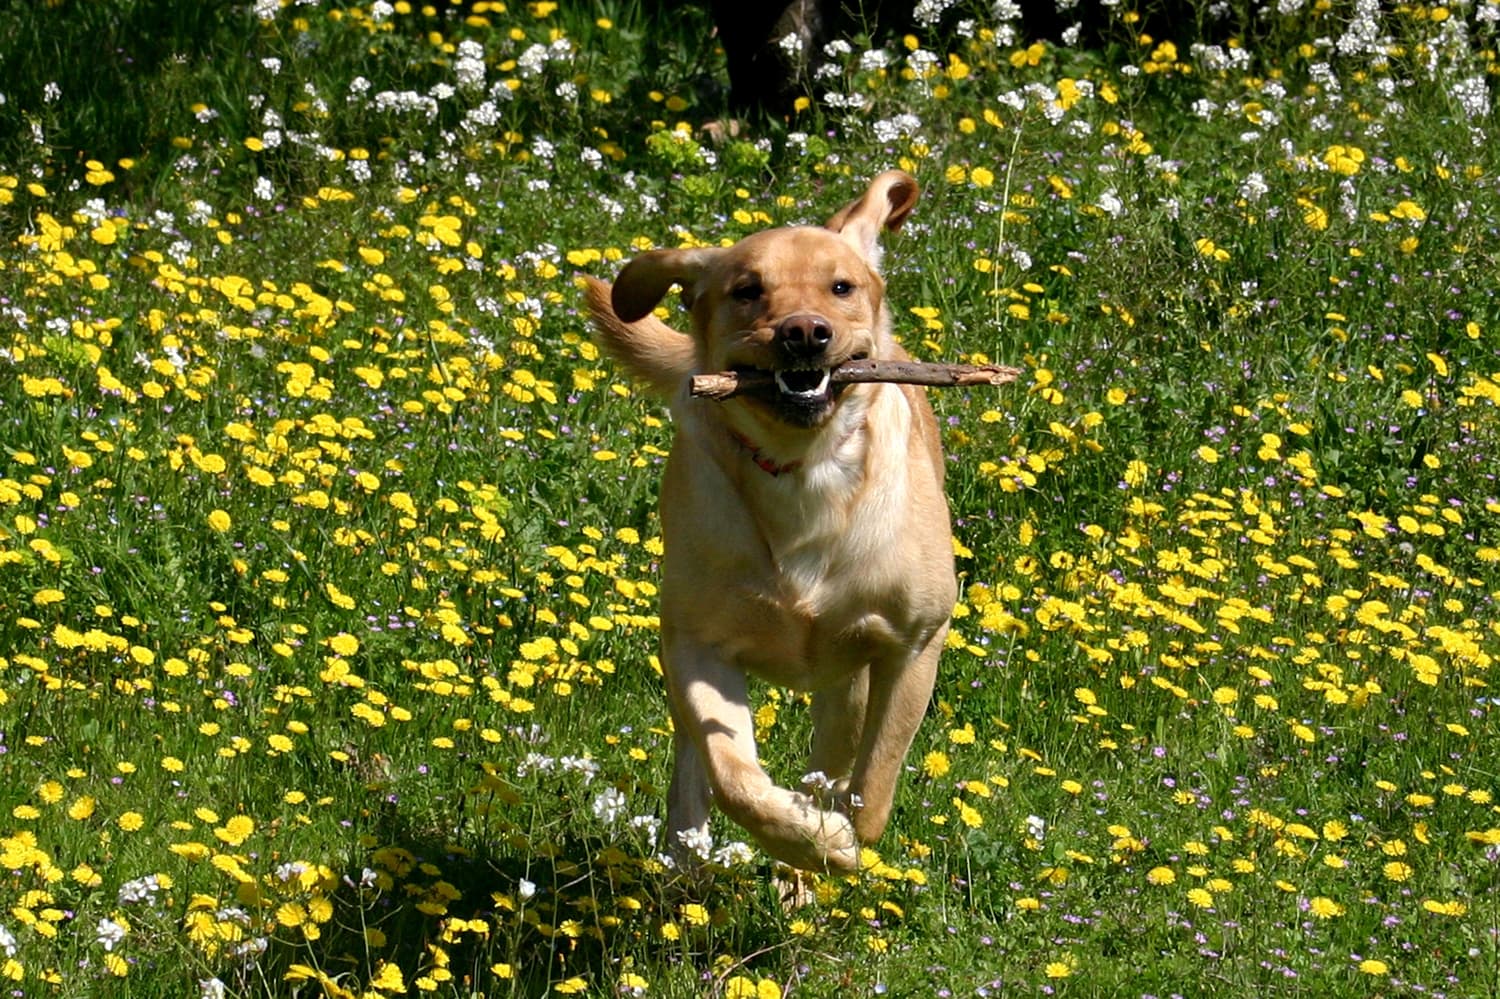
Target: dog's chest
{"x":834,"y":595}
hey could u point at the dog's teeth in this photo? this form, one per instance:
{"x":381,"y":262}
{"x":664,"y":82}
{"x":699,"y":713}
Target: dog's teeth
{"x":816,"y":390}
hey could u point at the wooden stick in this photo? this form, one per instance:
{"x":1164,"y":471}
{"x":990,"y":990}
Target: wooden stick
{"x":726,"y":384}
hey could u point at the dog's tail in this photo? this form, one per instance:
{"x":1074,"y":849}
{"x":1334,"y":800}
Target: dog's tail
{"x":648,"y":348}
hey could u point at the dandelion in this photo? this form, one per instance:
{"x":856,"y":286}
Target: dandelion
{"x":1325,"y":908}
{"x":935,"y":764}
{"x":1397,"y":871}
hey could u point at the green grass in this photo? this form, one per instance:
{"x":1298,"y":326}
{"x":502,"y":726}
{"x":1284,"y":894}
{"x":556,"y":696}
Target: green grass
{"x":328,"y":541}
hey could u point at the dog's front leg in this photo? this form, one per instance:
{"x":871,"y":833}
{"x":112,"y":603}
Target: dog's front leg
{"x":711,"y":708}
{"x":900,"y":688}
{"x":838,"y":717}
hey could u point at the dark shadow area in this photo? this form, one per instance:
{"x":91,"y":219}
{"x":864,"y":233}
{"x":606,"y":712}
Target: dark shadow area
{"x":546,"y":906}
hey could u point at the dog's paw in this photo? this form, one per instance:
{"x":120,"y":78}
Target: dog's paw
{"x":810,"y":837}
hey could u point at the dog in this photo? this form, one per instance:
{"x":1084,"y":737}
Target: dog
{"x":807,"y":536}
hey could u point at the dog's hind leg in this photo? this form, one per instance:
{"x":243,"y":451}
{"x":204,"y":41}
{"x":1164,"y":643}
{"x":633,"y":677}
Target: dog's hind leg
{"x":710,"y":704}
{"x":688,"y":801}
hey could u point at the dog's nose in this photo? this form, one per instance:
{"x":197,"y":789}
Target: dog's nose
{"x":804,"y":336}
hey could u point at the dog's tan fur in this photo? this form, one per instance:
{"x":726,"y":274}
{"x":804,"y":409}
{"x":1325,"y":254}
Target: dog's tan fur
{"x":807,"y":546}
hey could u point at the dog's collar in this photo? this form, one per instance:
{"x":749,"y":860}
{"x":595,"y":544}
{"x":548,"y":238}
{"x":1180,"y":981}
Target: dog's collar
{"x":766,"y":464}
{"x":771,"y":466}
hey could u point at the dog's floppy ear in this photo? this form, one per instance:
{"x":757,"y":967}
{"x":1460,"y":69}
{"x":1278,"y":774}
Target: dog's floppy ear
{"x":645,"y":280}
{"x":884,"y":205}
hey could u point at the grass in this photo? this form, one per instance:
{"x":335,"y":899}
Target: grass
{"x":329,"y":543}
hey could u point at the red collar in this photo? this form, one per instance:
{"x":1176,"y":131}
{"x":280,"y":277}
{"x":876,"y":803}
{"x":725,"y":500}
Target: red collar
{"x":767,"y":464}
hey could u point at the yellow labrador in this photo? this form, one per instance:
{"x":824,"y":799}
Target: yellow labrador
{"x":807,"y":535}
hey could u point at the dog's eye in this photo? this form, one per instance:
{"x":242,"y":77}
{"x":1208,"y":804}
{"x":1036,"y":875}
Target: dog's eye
{"x":748,"y":292}
{"x":843,"y":288}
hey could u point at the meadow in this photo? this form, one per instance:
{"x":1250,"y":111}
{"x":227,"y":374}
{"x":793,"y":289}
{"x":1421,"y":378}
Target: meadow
{"x":328,"y":543}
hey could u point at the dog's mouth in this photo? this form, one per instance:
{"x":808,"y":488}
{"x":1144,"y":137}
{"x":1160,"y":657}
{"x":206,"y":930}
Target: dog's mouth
{"x":802,"y":397}
{"x":804,"y":384}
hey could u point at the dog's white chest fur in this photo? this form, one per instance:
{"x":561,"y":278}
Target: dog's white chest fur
{"x":838,"y":576}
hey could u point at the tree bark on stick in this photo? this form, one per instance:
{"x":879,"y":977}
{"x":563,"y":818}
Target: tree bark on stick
{"x":727,"y":384}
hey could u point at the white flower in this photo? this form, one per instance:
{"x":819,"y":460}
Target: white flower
{"x":649,"y":824}
{"x":7,"y":942}
{"x":929,"y":12}
{"x":211,"y":988}
{"x":109,"y":933}
{"x":1110,"y":203}
{"x":1036,"y":827}
{"x":734,"y":853}
{"x":526,"y":889}
{"x":697,"y":841}
{"x":139,"y":890}
{"x":532,"y":61}
{"x":1473,"y":96}
{"x":266,"y":9}
{"x":1253,"y":187}
{"x":609,"y":804}
{"x":817,"y":781}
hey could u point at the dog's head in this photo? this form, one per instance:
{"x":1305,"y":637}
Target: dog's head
{"x":795,"y":302}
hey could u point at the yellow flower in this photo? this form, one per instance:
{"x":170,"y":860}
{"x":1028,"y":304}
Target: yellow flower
{"x":236,"y":830}
{"x":219,"y":521}
{"x":1371,"y":966}
{"x":1453,"y":908}
{"x":338,"y":597}
{"x":131,"y":821}
{"x":1161,"y":876}
{"x":1325,"y":908}
{"x":388,"y":979}
{"x":344,"y":644}
{"x":935,"y":764}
